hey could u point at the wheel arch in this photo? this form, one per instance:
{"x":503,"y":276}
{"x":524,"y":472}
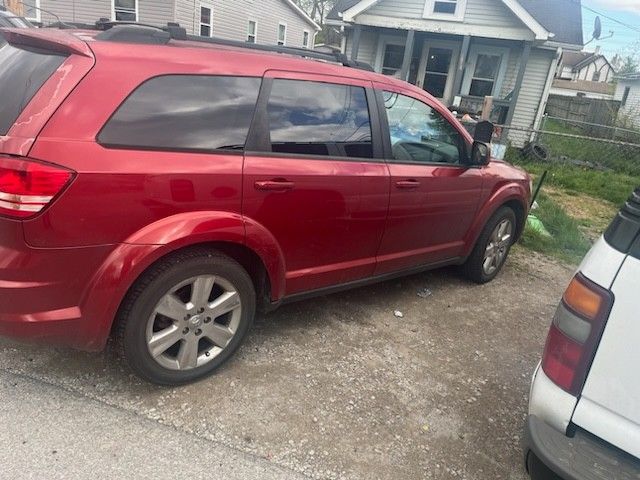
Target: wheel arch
{"x":242,"y":239}
{"x":512,"y":196}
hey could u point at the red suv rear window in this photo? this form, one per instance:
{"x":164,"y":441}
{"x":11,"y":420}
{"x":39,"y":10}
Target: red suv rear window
{"x":24,"y":71}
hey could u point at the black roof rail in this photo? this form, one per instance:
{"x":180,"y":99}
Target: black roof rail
{"x":133,"y":32}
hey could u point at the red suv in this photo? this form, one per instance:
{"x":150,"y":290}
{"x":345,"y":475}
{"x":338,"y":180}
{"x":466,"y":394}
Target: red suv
{"x":159,"y":189}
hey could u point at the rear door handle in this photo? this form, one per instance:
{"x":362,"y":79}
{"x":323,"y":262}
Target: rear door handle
{"x":274,"y":185}
{"x":408,"y":184}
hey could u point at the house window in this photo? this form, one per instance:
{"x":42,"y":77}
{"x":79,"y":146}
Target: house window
{"x":252,"y":31}
{"x":125,"y":10}
{"x":625,"y":96}
{"x":305,"y":39}
{"x":392,"y":59}
{"x":445,"y":9}
{"x":445,"y":6}
{"x":485,"y":75}
{"x":282,"y":34}
{"x":596,"y":76}
{"x":206,"y":18}
{"x":31,"y":9}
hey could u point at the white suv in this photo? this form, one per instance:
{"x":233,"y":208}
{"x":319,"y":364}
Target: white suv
{"x":584,"y":404}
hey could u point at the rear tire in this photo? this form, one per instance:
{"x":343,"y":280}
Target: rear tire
{"x":492,"y":248}
{"x":185,"y":317}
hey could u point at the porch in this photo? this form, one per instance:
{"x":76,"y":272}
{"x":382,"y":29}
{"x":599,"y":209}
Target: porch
{"x":460,"y":70}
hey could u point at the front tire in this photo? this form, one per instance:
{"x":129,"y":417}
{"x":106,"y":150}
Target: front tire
{"x":492,"y":248}
{"x":185,"y":317}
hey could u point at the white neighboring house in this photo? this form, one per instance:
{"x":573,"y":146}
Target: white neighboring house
{"x":272,"y":22}
{"x":583,"y":88}
{"x":585,"y":66}
{"x":628,"y":93}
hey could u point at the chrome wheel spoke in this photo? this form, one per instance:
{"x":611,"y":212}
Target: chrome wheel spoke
{"x":188,"y":353}
{"x":201,"y":289}
{"x":161,"y":341}
{"x":170,"y":306}
{"x":225,"y":303}
{"x":218,"y":334}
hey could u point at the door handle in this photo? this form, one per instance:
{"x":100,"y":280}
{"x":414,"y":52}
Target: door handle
{"x":274,"y":185}
{"x":408,"y":184}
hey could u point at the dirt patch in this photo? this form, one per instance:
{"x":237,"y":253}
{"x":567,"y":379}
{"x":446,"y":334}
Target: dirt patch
{"x":339,"y":387}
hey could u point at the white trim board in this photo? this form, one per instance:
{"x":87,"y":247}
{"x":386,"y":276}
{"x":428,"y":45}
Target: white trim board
{"x":540,"y":33}
{"x":302,"y":13}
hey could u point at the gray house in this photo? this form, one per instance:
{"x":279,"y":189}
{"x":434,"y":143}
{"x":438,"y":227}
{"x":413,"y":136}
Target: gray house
{"x":260,"y":21}
{"x":463,"y":50}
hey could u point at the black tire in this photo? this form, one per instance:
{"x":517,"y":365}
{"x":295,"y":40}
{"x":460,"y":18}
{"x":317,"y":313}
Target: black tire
{"x":142,"y":299}
{"x":473,"y":267}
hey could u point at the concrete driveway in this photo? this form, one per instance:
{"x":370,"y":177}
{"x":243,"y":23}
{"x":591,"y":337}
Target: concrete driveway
{"x":335,"y":387}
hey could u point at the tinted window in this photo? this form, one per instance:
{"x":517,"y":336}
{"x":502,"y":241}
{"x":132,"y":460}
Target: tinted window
{"x":22,"y":73}
{"x":419,"y":133}
{"x":185,"y":112}
{"x":313,"y":118}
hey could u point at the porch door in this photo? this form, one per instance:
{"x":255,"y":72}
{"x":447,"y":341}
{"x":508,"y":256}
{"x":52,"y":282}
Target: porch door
{"x":437,"y":68}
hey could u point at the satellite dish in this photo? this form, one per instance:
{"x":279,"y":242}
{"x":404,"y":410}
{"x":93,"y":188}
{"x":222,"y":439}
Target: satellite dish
{"x":597,"y":29}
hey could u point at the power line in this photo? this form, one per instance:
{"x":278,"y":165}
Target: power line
{"x":631,"y":27}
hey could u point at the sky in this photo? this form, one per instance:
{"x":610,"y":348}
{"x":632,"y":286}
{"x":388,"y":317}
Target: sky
{"x":625,"y":40}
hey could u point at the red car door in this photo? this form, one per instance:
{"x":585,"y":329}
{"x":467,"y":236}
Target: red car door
{"x":434,"y":195}
{"x":311,"y":177}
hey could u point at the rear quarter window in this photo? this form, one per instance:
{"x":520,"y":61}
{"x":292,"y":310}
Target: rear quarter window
{"x":185,"y":112}
{"x":23,"y":71}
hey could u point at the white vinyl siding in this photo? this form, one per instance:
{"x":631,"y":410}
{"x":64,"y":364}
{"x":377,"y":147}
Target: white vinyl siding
{"x":153,"y":12}
{"x":530,"y":100}
{"x":476,"y":12}
{"x":367,"y":50}
{"x":629,"y":112}
{"x":230,"y":20}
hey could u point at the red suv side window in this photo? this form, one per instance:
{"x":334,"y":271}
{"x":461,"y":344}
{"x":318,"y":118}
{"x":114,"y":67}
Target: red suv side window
{"x":185,"y":112}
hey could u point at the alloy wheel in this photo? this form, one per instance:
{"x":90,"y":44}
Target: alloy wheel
{"x":498,"y":246}
{"x":193,"y":322}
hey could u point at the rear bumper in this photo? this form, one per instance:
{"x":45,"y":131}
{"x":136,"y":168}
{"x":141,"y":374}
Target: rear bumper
{"x":552,"y":455}
{"x":43,"y":291}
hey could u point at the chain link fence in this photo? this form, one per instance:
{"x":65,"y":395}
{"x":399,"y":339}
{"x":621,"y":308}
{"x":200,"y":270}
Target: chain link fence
{"x":572,"y":143}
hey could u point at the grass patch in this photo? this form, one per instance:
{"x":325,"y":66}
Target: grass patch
{"x":608,"y":185}
{"x":567,"y":240}
{"x":620,"y":158}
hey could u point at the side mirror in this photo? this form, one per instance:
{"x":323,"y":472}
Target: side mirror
{"x":480,"y":153}
{"x":483,"y":132}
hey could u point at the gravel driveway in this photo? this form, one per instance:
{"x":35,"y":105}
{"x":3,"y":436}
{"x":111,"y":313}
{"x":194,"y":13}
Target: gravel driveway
{"x":340,"y":387}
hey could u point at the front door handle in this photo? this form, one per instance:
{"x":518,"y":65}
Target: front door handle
{"x":408,"y":184}
{"x":274,"y":185}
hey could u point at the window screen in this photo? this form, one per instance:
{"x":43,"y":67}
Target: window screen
{"x":23,"y":71}
{"x":313,"y":118}
{"x":185,"y":112}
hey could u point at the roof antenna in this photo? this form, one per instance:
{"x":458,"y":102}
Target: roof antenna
{"x":597,"y":32}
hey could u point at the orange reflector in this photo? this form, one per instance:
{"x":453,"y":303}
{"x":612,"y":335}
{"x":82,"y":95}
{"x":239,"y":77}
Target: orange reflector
{"x":583,"y":300}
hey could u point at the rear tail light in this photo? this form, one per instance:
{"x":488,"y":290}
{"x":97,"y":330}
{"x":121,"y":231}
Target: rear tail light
{"x":575,"y":333}
{"x":27,"y":186}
